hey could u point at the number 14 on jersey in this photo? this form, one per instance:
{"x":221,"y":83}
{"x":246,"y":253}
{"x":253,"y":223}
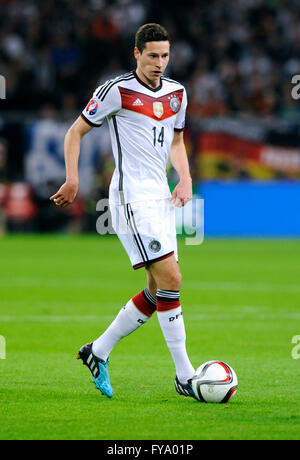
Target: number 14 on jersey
{"x":158,"y":137}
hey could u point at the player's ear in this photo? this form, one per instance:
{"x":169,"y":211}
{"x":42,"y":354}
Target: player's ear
{"x":136,"y":53}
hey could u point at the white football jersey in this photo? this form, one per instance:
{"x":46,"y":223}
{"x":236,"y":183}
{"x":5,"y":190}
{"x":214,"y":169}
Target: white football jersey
{"x":141,"y":121}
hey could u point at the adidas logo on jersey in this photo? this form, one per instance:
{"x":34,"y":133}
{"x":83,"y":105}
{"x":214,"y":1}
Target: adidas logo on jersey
{"x":137,"y":102}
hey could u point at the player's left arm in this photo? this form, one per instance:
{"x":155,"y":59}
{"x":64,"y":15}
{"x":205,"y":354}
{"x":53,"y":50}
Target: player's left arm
{"x":178,"y":157}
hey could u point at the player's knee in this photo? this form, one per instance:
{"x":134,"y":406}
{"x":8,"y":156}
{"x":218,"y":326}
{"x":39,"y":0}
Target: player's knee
{"x":174,"y":280}
{"x":167,"y":277}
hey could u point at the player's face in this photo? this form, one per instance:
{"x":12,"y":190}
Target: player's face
{"x":153,"y":60}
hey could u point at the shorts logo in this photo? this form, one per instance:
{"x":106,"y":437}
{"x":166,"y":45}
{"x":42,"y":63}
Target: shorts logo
{"x":158,"y":109}
{"x":154,"y":246}
{"x":92,"y":107}
{"x":174,"y":104}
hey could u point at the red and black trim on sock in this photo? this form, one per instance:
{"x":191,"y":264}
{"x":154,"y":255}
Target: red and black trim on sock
{"x":167,"y":300}
{"x":145,"y":302}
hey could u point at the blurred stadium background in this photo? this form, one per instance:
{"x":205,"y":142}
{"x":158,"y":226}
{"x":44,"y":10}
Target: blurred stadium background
{"x":236,"y":59}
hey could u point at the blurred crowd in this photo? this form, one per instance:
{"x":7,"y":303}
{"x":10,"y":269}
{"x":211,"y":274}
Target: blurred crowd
{"x":234,"y":56}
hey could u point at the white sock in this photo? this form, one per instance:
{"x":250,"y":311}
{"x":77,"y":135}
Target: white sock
{"x":128,"y":320}
{"x":172,"y":326}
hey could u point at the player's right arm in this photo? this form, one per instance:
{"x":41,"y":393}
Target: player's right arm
{"x":105,"y":101}
{"x":67,"y":192}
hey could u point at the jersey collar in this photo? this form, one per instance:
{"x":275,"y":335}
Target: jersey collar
{"x":147,"y":86}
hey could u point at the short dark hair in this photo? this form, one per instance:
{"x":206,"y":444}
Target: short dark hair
{"x":150,"y":33}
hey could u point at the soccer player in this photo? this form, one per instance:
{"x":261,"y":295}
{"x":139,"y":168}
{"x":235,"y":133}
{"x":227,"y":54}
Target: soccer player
{"x":146,"y":116}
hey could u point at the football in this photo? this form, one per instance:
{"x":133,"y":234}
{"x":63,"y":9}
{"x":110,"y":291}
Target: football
{"x":214,"y":382}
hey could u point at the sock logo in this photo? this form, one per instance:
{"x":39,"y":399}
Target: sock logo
{"x":140,"y":321}
{"x":175,"y":317}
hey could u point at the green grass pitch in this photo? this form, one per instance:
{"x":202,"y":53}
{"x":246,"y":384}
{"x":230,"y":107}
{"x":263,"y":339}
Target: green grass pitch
{"x":241,"y":303}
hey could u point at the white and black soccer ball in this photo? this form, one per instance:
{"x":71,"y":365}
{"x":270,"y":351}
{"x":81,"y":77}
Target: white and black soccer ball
{"x":214,"y":382}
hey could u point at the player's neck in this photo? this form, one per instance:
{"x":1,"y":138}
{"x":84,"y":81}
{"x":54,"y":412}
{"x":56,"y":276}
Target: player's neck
{"x":152,"y":83}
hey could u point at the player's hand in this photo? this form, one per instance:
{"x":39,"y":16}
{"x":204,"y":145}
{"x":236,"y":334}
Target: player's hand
{"x":65,"y":195}
{"x":182,"y":193}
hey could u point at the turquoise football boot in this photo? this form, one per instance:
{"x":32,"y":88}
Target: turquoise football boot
{"x":184,"y":389}
{"x":98,"y":368}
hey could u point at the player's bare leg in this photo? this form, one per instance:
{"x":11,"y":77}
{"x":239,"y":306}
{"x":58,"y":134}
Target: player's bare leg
{"x":167,"y":276}
{"x":151,"y":283}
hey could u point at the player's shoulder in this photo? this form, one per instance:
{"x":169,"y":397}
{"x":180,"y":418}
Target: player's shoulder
{"x":110,"y":85}
{"x":172,"y":83}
